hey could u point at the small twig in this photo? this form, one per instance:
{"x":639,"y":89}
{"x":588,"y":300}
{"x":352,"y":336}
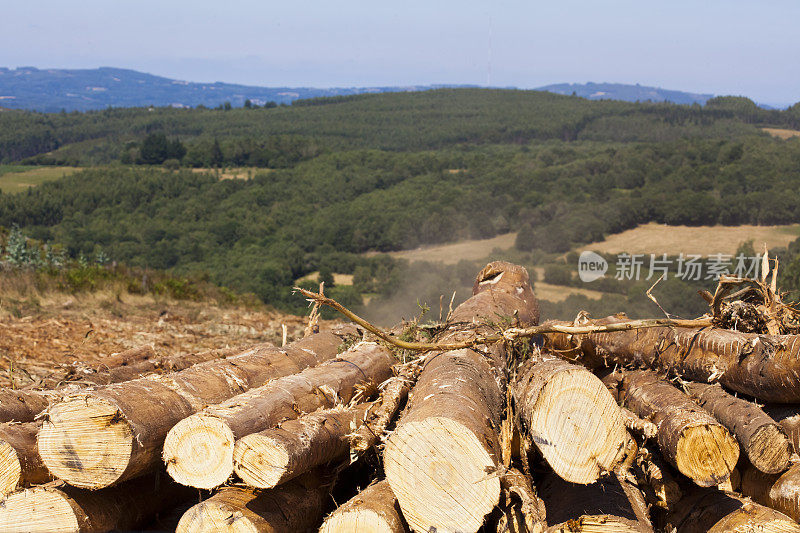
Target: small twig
{"x":508,"y":334}
{"x":649,"y":294}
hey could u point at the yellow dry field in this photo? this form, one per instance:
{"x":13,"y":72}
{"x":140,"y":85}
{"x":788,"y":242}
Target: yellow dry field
{"x":239,"y":173}
{"x":17,"y":181}
{"x":781,"y":133}
{"x":338,"y":279}
{"x":559,"y":293}
{"x":656,"y":238}
{"x":450,"y":254}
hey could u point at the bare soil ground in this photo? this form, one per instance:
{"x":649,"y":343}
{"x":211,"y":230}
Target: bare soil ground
{"x":39,"y":336}
{"x":781,"y":133}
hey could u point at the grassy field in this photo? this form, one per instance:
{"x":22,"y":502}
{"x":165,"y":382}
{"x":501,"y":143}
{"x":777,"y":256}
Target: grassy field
{"x":781,"y":133}
{"x":450,"y":254}
{"x":656,"y":238}
{"x":17,"y":178}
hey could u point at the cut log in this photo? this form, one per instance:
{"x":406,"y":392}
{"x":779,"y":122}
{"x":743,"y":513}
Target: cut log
{"x":688,"y":436}
{"x":394,"y":395}
{"x":24,"y":405}
{"x":373,"y":510}
{"x":20,"y":464}
{"x":762,"y":439}
{"x":273,"y":456}
{"x":715,"y":511}
{"x":788,"y":416}
{"x":56,"y":507}
{"x":601,"y":506}
{"x":441,"y":460}
{"x":97,"y":438}
{"x":570,"y":416}
{"x":778,"y":491}
{"x":766,"y":367}
{"x":295,"y":506}
{"x":198,"y":451}
{"x":522,"y":511}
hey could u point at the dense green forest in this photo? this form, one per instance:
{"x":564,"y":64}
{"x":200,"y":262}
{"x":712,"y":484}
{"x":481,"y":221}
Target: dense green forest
{"x":340,"y":176}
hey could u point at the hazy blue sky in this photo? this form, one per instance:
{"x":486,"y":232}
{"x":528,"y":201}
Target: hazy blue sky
{"x":714,"y":46}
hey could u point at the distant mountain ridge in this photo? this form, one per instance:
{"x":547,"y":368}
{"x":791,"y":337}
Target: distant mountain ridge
{"x":628,"y":93}
{"x":51,"y":90}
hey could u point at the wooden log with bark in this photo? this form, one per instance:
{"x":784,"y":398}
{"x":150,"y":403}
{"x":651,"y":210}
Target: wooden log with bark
{"x":373,"y":510}
{"x":59,"y":507}
{"x":393,"y":396}
{"x":715,"y":511}
{"x":570,"y":416}
{"x":522,"y":511}
{"x":778,"y":491}
{"x":199,"y":449}
{"x":20,"y":464}
{"x":100,"y":437}
{"x":762,"y":439}
{"x":656,"y":480}
{"x":24,"y":405}
{"x":766,"y":367}
{"x":273,"y":456}
{"x":294,"y":506}
{"x":602,"y":506}
{"x":442,"y":460}
{"x":688,"y":436}
{"x":788,"y":416}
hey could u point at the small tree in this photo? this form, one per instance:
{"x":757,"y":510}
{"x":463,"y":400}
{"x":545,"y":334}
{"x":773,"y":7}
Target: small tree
{"x":154,"y":150}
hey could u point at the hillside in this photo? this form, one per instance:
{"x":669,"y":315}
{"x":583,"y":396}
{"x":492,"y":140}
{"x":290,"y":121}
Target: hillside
{"x":53,"y":90}
{"x":332,"y":178}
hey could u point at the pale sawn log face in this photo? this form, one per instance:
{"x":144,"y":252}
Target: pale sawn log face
{"x":101,"y":437}
{"x":58,"y":507}
{"x":273,"y":456}
{"x":199,"y":450}
{"x":20,"y":464}
{"x":571,"y":418}
{"x":688,"y":436}
{"x":374,"y":509}
{"x":762,"y":439}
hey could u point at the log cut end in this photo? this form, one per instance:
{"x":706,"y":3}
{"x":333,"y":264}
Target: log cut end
{"x":86,"y":442}
{"x":577,"y":426}
{"x":442,"y":475}
{"x":707,"y":454}
{"x":770,"y":449}
{"x":260,"y":461}
{"x":38,"y":510}
{"x":213,"y":518}
{"x":373,"y":510}
{"x":598,"y":524}
{"x":10,"y":469}
{"x":198,"y":452}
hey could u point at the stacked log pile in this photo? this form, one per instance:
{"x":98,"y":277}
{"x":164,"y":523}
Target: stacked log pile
{"x":480,"y":427}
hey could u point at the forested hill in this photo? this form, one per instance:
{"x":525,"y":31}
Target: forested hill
{"x":51,"y":90}
{"x":335,"y":177}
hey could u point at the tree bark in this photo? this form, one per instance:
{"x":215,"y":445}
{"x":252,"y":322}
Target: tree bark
{"x":295,"y":506}
{"x":715,"y":511}
{"x":602,"y":506}
{"x":100,"y":437}
{"x":273,"y":456}
{"x":570,"y":416}
{"x":778,"y":491}
{"x":58,"y":507}
{"x":523,"y":511}
{"x":198,"y":450}
{"x":374,"y":510}
{"x":394,"y":395}
{"x":766,"y":367}
{"x":656,"y":480}
{"x":688,"y":436}
{"x":24,"y":405}
{"x":20,"y":464}
{"x":788,"y":416}
{"x":442,"y":458}
{"x":762,"y":439}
